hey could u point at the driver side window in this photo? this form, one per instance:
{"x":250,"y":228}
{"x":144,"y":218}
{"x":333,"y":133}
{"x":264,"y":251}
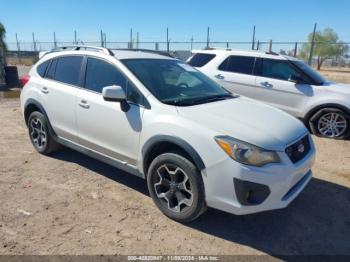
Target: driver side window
{"x":278,"y":69}
{"x":100,"y":74}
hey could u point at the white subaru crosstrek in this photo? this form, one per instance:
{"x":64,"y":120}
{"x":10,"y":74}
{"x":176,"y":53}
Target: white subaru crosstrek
{"x":159,"y":118}
{"x":281,"y":81}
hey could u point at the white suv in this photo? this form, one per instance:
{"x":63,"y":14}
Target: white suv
{"x":159,"y":118}
{"x":281,"y":81}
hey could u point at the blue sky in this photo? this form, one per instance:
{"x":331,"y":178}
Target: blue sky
{"x":283,"y":20}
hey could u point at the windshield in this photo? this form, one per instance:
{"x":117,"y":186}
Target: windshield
{"x":317,"y":77}
{"x":174,"y":82}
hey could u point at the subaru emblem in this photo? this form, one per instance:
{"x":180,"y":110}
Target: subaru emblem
{"x":301,"y":148}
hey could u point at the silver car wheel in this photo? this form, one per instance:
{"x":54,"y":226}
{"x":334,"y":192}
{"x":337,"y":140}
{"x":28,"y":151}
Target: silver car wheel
{"x":332,"y":125}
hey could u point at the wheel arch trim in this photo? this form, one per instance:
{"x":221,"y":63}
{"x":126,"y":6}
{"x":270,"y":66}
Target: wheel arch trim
{"x":32,"y":101}
{"x":308,"y":117}
{"x":157,"y":139}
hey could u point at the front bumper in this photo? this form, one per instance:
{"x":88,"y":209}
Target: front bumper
{"x":240,"y":189}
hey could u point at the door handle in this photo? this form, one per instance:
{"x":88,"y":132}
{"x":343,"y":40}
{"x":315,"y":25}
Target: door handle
{"x":219,"y":76}
{"x":266,"y":84}
{"x":45,"y":90}
{"x":83,"y":103}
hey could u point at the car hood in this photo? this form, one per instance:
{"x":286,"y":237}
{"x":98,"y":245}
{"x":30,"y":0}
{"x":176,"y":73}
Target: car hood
{"x":247,"y":120}
{"x":338,"y":87}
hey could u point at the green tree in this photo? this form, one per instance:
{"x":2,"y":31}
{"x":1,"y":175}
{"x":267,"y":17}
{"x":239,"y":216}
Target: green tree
{"x":2,"y":36}
{"x":327,"y":45}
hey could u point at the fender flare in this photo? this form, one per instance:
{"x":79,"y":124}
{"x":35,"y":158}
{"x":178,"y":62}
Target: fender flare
{"x":174,"y":140}
{"x":313,"y":110}
{"x":316,"y":112}
{"x":32,"y":101}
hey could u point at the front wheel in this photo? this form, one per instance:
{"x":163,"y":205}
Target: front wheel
{"x":331,"y":123}
{"x":176,"y":187}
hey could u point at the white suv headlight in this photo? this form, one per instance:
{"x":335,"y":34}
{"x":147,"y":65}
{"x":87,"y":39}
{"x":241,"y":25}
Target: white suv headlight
{"x":246,"y":153}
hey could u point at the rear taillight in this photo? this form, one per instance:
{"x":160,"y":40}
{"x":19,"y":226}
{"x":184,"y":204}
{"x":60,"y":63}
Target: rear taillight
{"x":25,"y":80}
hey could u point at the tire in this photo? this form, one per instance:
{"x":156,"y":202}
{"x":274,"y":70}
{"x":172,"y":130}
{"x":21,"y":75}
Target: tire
{"x":169,"y":174}
{"x":330,"y":123}
{"x":40,"y":135}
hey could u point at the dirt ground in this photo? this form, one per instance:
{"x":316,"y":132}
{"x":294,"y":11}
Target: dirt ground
{"x":68,"y":203}
{"x":339,"y":75}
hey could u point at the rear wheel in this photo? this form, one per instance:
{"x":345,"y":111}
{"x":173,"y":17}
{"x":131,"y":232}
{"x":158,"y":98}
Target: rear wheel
{"x":39,"y":134}
{"x":176,"y":187}
{"x":331,"y":123}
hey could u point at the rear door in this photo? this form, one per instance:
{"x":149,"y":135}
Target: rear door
{"x":274,"y":87}
{"x":110,"y":128}
{"x":236,"y":74}
{"x":59,"y":88}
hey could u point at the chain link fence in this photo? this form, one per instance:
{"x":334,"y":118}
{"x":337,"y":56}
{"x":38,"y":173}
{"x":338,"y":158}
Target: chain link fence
{"x":27,"y":52}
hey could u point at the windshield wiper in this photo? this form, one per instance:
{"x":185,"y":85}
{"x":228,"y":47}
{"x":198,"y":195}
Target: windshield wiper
{"x":212,"y":98}
{"x":200,"y":100}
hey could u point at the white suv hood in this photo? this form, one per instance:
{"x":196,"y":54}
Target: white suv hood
{"x":247,"y":120}
{"x":338,"y":87}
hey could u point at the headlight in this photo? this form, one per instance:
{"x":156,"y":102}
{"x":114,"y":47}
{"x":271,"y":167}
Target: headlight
{"x":246,"y":153}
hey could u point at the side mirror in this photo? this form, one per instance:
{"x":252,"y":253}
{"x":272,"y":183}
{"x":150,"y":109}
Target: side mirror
{"x":296,"y":79}
{"x":113,"y":94}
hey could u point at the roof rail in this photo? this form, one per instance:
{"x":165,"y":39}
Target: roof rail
{"x":86,"y":47}
{"x":146,"y":51}
{"x":218,"y":48}
{"x":271,"y":53}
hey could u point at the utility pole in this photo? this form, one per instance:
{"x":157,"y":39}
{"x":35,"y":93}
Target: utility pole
{"x":137,"y":40}
{"x":34,"y":43}
{"x":130,"y":45}
{"x":270,"y":46}
{"x":257,"y":45}
{"x":312,"y":45}
{"x":253,"y":41}
{"x":18,"y":47}
{"x":295,"y":49}
{"x":54,"y":40}
{"x":101,"y":36}
{"x":191,"y":42}
{"x":105,"y":39}
{"x":208,"y":38}
{"x":75,"y":37}
{"x":167,"y":40}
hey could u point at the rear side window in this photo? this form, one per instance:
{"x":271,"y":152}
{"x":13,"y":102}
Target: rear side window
{"x":200,"y":59}
{"x":51,"y":71}
{"x":100,"y":74}
{"x":68,"y":69}
{"x":238,"y":64}
{"x":41,"y":69}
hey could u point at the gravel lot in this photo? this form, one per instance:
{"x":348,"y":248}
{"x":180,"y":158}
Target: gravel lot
{"x":71,"y":204}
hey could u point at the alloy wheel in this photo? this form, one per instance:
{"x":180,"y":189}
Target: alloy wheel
{"x":173,"y":188}
{"x":332,"y":125}
{"x":38,"y":133}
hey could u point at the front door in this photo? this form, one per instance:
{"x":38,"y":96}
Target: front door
{"x":275,"y":88}
{"x":107,"y":127}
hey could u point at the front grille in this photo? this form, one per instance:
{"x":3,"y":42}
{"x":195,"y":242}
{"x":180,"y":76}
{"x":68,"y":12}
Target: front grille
{"x":299,"y":149}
